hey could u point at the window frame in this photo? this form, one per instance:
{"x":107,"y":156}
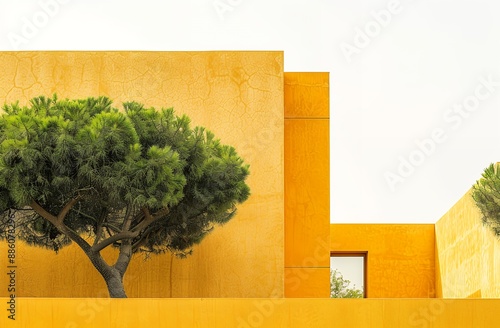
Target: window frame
{"x":364,"y":255}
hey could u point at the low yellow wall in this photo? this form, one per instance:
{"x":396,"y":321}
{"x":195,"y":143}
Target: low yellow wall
{"x":237,"y":95}
{"x":401,"y":257}
{"x":245,"y":313}
{"x":467,"y":253}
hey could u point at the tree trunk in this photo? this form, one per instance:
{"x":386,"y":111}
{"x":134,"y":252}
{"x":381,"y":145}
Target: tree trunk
{"x":115,"y":284}
{"x":112,"y":276}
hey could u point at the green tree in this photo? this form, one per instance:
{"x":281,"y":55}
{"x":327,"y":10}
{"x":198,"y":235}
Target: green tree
{"x":139,"y":180}
{"x":339,"y":287}
{"x":486,"y":194}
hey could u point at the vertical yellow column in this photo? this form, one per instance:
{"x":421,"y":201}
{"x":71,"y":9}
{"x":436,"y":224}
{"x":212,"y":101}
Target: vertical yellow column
{"x":307,"y":176}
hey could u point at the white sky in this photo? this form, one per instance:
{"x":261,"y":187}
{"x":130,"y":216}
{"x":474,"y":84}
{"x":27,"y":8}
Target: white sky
{"x":351,"y":269}
{"x":395,"y":86}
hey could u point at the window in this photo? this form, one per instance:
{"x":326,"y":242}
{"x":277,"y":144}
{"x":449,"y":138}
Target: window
{"x":348,"y":274}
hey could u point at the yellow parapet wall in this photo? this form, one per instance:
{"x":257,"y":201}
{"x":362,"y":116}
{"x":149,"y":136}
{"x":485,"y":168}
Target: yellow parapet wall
{"x":467,"y":253}
{"x":252,"y":313}
{"x":401,"y":261}
{"x":237,"y":95}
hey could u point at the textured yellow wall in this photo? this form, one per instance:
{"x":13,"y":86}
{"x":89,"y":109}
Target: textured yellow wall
{"x":401,"y":257}
{"x":237,"y":95}
{"x":467,"y":253}
{"x":245,"y":313}
{"x":307,"y":185}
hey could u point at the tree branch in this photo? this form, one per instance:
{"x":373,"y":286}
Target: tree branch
{"x":60,"y":225}
{"x":112,"y":227}
{"x":142,"y":239}
{"x":86,"y":215}
{"x":75,"y":237}
{"x":124,"y":257}
{"x":149,"y":219}
{"x":67,"y":208}
{"x":113,"y":239}
{"x":43,"y":213}
{"x":146,"y":212}
{"x":164,"y":211}
{"x":134,"y":232}
{"x":55,"y":220}
{"x":127,"y":221}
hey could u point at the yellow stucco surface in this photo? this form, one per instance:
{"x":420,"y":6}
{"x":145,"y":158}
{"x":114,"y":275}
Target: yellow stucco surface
{"x":306,"y":190}
{"x":307,"y":95}
{"x":244,"y":313}
{"x":238,"y":96}
{"x":467,"y":253}
{"x":401,"y":257}
{"x":307,"y":185}
{"x":313,"y":282}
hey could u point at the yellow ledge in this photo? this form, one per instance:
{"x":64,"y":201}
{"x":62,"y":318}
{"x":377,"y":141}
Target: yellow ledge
{"x":258,"y":312}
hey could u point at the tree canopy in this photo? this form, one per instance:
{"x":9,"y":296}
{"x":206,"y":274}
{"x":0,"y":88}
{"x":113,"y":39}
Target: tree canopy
{"x":140,"y":179}
{"x":486,"y":194}
{"x":340,"y":287}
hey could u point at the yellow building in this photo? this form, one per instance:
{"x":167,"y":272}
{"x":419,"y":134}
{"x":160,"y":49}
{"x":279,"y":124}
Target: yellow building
{"x":270,"y":265}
